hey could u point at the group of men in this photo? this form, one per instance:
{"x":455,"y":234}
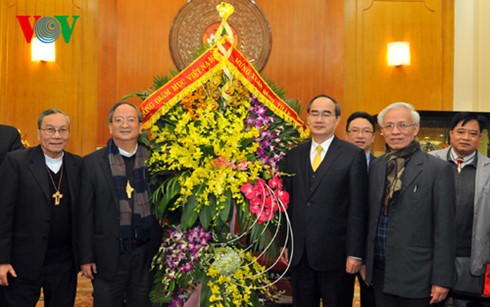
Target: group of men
{"x":62,"y":214}
{"x":410,"y":224}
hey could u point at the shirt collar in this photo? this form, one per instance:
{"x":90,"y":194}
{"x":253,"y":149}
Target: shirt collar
{"x":128,"y":154}
{"x":469,"y":160}
{"x":325,"y":145}
{"x":54,"y":164}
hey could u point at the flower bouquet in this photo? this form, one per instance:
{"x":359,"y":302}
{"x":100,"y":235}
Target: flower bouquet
{"x":217,"y":134}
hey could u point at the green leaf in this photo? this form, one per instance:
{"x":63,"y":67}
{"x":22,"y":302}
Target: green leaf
{"x":189,"y":213}
{"x":170,"y":188}
{"x":205,"y":292}
{"x":255,"y":300}
{"x":205,"y":216}
{"x":225,"y":212}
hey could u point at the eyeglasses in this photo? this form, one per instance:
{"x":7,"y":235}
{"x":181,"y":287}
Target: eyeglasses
{"x":402,"y":126}
{"x":121,"y":120}
{"x":316,"y":114}
{"x":50,"y":131}
{"x":356,"y":131}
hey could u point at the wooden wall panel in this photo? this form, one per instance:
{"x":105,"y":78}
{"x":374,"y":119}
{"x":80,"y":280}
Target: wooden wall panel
{"x":427,"y":83}
{"x":27,"y":88}
{"x":118,"y":46}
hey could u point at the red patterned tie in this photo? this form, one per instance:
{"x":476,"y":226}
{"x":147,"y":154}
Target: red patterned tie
{"x":459,"y":162}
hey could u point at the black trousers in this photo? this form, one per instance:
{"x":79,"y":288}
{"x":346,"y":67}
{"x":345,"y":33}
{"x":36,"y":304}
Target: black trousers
{"x":132,"y":284}
{"x":58,"y":281}
{"x":335,"y":288}
{"x":367,"y":293}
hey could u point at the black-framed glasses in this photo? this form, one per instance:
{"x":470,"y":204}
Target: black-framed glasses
{"x":50,"y":131}
{"x":355,"y":131}
{"x":402,"y":126}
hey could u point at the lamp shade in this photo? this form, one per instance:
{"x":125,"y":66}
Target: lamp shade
{"x":398,"y":53}
{"x":40,"y":51}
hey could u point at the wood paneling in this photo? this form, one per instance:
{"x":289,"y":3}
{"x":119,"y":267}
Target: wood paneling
{"x":27,"y":88}
{"x":337,"y":47}
{"x":427,"y":25}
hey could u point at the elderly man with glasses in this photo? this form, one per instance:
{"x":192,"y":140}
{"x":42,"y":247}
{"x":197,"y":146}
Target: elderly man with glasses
{"x":38,"y":215}
{"x":118,"y":231}
{"x":410,"y":244}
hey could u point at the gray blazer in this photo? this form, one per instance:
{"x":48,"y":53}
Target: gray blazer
{"x":480,"y":242}
{"x":420,"y":250}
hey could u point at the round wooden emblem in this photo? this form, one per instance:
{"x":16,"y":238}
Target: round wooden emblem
{"x":197,"y":21}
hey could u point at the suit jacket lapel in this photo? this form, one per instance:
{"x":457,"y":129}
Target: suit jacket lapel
{"x":416,"y":167}
{"x":106,"y":170}
{"x":70,"y":166}
{"x":328,"y":161}
{"x":377,"y":178}
{"x":482,"y":176}
{"x":37,"y":167}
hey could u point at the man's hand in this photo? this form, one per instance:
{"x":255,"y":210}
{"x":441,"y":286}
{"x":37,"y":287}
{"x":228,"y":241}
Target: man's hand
{"x":438,"y":294}
{"x":88,"y":270}
{"x":5,"y":269}
{"x":352,"y":265}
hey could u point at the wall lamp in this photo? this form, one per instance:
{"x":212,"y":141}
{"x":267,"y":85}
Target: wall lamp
{"x":398,"y":54}
{"x":44,"y":52}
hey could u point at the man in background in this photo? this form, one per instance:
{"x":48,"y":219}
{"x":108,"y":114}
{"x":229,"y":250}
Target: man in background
{"x":9,"y":140}
{"x":360,"y":130}
{"x":328,"y":192}
{"x":410,"y":243}
{"x":118,"y":232}
{"x":472,"y":202}
{"x":38,"y":215}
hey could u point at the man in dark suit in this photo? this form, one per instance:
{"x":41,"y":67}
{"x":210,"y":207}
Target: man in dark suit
{"x":360,"y":128}
{"x":410,"y":244}
{"x":328,"y":191}
{"x":118,"y":232}
{"x":37,"y":220}
{"x":9,"y":140}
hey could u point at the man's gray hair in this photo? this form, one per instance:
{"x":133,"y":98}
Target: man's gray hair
{"x":396,"y":105}
{"x":49,"y":112}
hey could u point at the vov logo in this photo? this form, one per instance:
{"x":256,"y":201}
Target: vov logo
{"x":47,"y":29}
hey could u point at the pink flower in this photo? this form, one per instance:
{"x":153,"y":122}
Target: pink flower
{"x":275,"y":182}
{"x":248,"y":190}
{"x":283,"y":196}
{"x":242,"y":166}
{"x":221,"y":161}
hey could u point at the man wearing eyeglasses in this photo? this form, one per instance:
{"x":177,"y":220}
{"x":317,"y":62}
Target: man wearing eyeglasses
{"x":473,"y":202}
{"x":360,"y":129}
{"x":118,"y":231}
{"x":38,"y":215}
{"x":328,"y":192}
{"x":410,"y":243}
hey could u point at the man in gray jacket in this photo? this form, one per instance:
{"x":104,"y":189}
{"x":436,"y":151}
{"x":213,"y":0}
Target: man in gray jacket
{"x":410,"y":243}
{"x":472,"y":201}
